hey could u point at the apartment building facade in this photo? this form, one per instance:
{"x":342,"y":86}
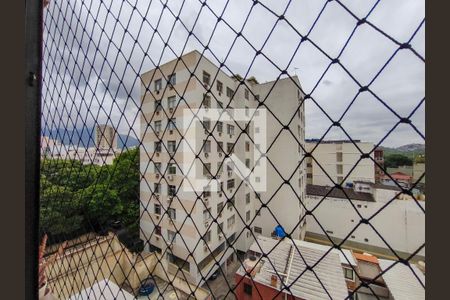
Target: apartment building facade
{"x":193,"y":229}
{"x":339,"y":161}
{"x":338,"y":212}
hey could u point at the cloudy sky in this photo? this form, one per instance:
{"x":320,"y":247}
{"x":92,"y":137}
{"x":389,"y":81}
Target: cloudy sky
{"x":94,"y":51}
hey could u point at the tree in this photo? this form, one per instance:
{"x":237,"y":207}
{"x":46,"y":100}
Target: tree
{"x":397,"y":160}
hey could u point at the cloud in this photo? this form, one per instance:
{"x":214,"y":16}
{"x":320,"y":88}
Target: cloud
{"x":95,"y":50}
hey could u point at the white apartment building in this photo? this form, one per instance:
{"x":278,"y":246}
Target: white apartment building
{"x":178,"y":222}
{"x":105,"y":137}
{"x":401,"y":223}
{"x":335,"y":159}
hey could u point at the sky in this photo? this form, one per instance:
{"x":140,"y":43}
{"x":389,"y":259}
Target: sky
{"x":95,"y":50}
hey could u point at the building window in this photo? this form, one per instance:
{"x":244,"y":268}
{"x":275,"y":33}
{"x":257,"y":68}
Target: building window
{"x":157,"y":209}
{"x":339,"y":169}
{"x":339,"y":156}
{"x":220,"y":228}
{"x":229,"y":92}
{"x":247,"y":289}
{"x":206,"y":146}
{"x":157,"y":188}
{"x":246,"y":93}
{"x":220,"y":147}
{"x":247,"y":216}
{"x":172,"y":168}
{"x":158,"y":84}
{"x":256,"y":97}
{"x":257,"y":230}
{"x":158,"y":230}
{"x":219,"y":104}
{"x":172,"y":124}
{"x":219,"y":168}
{"x":247,"y":111}
{"x":309,"y":175}
{"x":171,"y":101}
{"x":309,"y":165}
{"x":219,"y":126}
{"x":247,"y":198}
{"x":230,"y":148}
{"x":206,"y":124}
{"x":207,"y":237}
{"x":230,"y":129}
{"x":219,"y":86}
{"x":207,"y":169}
{"x":172,"y":79}
{"x":230,"y":183}
{"x":339,"y":179}
{"x":348,"y":273}
{"x":171,"y":235}
{"x":171,"y":145}
{"x":158,"y":105}
{"x":158,"y":168}
{"x":207,"y":214}
{"x":247,"y":162}
{"x":219,"y":208}
{"x":206,"y":78}
{"x":206,"y":101}
{"x":157,"y":126}
{"x":172,"y":190}
{"x":247,"y":146}
{"x":230,"y":221}
{"x":172,"y":213}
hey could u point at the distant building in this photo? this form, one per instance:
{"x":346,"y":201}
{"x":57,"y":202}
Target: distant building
{"x":338,"y":211}
{"x":285,"y":261}
{"x":402,"y":179}
{"x":105,"y":137}
{"x":333,"y":160}
{"x":378,"y":155}
{"x":51,"y":148}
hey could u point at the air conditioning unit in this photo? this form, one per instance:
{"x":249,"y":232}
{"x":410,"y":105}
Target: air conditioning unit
{"x":157,"y":92}
{"x":157,"y":238}
{"x":157,"y":112}
{"x":206,"y":85}
{"x":157,"y":175}
{"x":170,"y":87}
{"x":157,"y":196}
{"x":220,"y":236}
{"x":218,"y":176}
{"x":157,"y":217}
{"x":206,"y":223}
{"x":205,"y":200}
{"x":231,"y":136}
{"x":220,"y":194}
{"x":206,"y":154}
{"x":169,"y":200}
{"x":205,"y":247}
{"x":230,"y":173}
{"x":220,"y":133}
{"x":157,"y":133}
{"x":220,"y":154}
{"x":220,"y":94}
{"x":171,"y":131}
{"x":157,"y":154}
{"x":171,"y":110}
{"x":170,"y":177}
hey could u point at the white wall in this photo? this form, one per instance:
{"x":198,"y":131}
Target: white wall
{"x":401,"y":223}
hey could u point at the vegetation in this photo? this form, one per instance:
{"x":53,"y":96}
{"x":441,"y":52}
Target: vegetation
{"x":397,"y":160}
{"x":76,"y":198}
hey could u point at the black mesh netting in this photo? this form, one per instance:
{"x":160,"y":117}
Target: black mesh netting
{"x":122,"y":82}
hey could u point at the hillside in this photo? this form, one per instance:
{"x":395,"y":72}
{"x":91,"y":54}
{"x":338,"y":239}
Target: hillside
{"x":409,"y":150}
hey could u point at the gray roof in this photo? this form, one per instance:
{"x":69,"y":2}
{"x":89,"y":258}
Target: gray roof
{"x":321,"y":190}
{"x":401,"y":281}
{"x":286,"y":259}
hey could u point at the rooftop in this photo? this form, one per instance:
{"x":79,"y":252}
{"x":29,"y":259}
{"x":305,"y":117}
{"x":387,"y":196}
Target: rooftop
{"x":291,"y":265}
{"x":344,"y":193}
{"x":403,"y":282}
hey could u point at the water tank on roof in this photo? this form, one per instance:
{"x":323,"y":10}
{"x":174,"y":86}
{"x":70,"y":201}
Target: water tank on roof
{"x":279,"y":231}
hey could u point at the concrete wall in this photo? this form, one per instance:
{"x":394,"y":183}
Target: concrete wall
{"x":401,"y":223}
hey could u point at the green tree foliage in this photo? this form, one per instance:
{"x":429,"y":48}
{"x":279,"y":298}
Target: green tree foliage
{"x":77,"y":198}
{"x":397,"y":160}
